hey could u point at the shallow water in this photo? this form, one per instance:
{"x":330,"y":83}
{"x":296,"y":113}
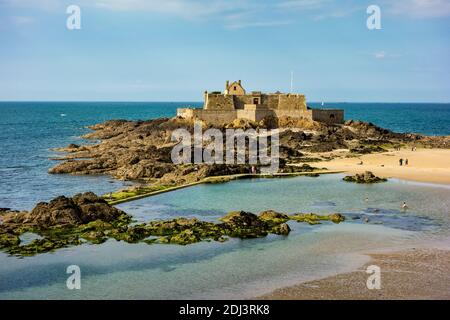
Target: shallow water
{"x":239,"y":268}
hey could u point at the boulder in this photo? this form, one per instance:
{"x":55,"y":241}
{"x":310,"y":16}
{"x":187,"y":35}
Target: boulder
{"x":282,"y":229}
{"x":65,"y":212}
{"x":272,"y":217}
{"x":366,"y":177}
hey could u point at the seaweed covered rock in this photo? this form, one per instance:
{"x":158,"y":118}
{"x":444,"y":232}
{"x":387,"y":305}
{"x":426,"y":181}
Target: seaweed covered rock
{"x":312,"y":218}
{"x":281,"y":229}
{"x":65,"y":212}
{"x":366,"y":177}
{"x":8,"y":239}
{"x":241,"y":224}
{"x":273,"y":217}
{"x":293,"y":169}
{"x":336,"y":218}
{"x":85,"y":218}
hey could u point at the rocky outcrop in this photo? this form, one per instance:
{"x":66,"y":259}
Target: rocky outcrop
{"x":64,"y":212}
{"x":140,"y":150}
{"x":85,"y":218}
{"x":366,"y":177}
{"x":312,"y":218}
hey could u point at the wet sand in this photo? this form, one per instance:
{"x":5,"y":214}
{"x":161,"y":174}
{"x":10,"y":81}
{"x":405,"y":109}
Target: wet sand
{"x":415,"y":273}
{"x":425,"y":165}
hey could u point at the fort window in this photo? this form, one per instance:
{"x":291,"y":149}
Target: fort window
{"x":331,"y":116}
{"x":255,"y":100}
{"x":234,"y":88}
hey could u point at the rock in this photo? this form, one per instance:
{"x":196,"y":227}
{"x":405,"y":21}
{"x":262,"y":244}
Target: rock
{"x":241,"y":224}
{"x":293,"y":169}
{"x":8,"y":240}
{"x":312,"y":218}
{"x":282,"y":229}
{"x":184,"y":237}
{"x":66,"y":212}
{"x":336,"y":217}
{"x":86,"y":218}
{"x":366,"y":177}
{"x":367,"y":149}
{"x":273,"y":217}
{"x":132,"y":150}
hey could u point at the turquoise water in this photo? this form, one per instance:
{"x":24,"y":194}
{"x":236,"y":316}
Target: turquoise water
{"x":28,"y":130}
{"x":240,"y":268}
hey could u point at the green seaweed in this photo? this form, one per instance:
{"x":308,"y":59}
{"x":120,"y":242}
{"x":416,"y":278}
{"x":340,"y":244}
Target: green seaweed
{"x":180,"y":231}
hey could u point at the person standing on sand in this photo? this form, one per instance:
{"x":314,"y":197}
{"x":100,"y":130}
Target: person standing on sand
{"x":406,"y":161}
{"x":400,"y":161}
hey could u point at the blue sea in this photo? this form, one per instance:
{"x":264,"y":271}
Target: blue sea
{"x":28,"y":131}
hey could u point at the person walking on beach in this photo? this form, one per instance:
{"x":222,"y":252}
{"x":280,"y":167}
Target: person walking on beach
{"x":400,"y":161}
{"x":406,"y":161}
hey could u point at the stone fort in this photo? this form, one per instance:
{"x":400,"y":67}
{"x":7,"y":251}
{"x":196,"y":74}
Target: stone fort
{"x":235,"y":103}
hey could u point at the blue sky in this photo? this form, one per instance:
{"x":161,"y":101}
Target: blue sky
{"x":173,"y":50}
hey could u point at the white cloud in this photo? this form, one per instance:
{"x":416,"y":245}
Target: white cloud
{"x":385,"y":55}
{"x":302,"y":4}
{"x":419,"y":8}
{"x":242,"y":25}
{"x":183,"y":8}
{"x":22,"y":20}
{"x":380,"y":55}
{"x":35,"y":4}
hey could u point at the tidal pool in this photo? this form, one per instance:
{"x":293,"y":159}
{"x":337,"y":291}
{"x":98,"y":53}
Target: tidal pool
{"x":240,"y":268}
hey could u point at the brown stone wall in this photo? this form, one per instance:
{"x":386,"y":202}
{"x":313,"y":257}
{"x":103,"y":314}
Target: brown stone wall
{"x":240,"y":101}
{"x":329,"y":116}
{"x":219,"y":102}
{"x":271,"y":100}
{"x":216,"y":117}
{"x":307,"y":114}
{"x":255,"y":115}
{"x":292,"y":101}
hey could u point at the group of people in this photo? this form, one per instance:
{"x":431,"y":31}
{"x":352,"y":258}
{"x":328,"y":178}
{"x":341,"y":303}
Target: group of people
{"x":405,"y":161}
{"x":404,"y":206}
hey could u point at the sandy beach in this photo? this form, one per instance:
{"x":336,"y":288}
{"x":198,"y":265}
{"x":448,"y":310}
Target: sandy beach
{"x":415,"y":273}
{"x":419,"y":272}
{"x":424,"y":165}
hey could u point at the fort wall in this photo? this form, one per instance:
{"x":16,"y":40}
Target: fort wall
{"x":292,"y":102}
{"x":328,"y":115}
{"x":215,"y":101}
{"x":220,"y":108}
